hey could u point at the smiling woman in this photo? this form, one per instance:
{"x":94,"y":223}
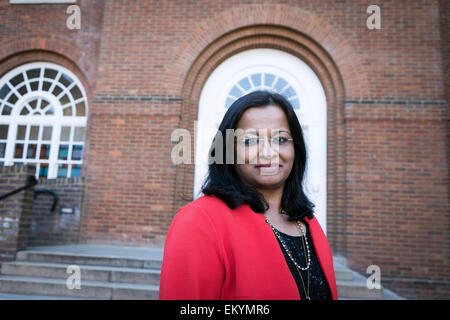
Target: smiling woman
{"x":249,"y":236}
{"x":264,"y":114}
{"x":266,"y":164}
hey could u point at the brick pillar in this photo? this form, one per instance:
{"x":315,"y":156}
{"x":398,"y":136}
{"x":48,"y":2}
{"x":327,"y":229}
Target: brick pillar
{"x":15,"y":211}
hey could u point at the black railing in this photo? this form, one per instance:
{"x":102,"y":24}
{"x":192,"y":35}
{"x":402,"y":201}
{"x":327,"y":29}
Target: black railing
{"x":31,"y":183}
{"x":52,"y":193}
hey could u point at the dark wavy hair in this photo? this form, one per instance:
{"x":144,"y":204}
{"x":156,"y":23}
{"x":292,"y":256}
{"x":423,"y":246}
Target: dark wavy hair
{"x":224,"y":182}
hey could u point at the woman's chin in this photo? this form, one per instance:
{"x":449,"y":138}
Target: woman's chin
{"x":269,"y":181}
{"x":264,"y":177}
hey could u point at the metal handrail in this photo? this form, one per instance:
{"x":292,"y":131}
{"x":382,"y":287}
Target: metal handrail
{"x":31,"y":183}
{"x":52,"y":193}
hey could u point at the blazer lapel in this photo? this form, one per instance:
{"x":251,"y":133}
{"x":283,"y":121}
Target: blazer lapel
{"x":324,"y":255}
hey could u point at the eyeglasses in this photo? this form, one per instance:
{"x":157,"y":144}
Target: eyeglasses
{"x":255,"y":141}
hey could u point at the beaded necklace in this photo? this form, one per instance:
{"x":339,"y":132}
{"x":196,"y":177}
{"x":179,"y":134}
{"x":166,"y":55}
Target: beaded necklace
{"x":302,"y":230}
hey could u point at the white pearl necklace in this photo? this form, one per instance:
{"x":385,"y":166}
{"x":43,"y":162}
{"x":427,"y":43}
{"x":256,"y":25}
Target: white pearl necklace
{"x":305,"y":240}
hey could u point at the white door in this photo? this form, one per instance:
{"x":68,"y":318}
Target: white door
{"x":277,"y":71}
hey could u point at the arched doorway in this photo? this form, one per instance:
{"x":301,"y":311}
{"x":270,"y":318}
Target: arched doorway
{"x":272,"y":70}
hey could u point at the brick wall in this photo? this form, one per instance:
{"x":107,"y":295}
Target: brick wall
{"x":39,"y":33}
{"x":444,"y":18}
{"x":444,"y":9}
{"x":26,"y":218}
{"x":15,"y":211}
{"x":62,"y":226}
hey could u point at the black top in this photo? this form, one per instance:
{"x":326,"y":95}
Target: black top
{"x":318,"y":286}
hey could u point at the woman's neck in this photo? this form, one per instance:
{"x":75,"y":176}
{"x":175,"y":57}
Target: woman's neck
{"x":273,"y":198}
{"x":273,"y":214}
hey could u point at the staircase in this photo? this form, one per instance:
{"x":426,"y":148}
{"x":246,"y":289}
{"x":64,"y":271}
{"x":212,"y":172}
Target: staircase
{"x":353,"y":286}
{"x":118,"y":273}
{"x":106,"y":273}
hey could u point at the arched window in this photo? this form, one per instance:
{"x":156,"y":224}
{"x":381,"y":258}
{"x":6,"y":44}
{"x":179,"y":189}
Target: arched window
{"x":43,"y":113}
{"x":263,"y":81}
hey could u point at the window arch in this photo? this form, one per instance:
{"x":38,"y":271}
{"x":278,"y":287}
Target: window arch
{"x":263,"y":81}
{"x":43,"y":115}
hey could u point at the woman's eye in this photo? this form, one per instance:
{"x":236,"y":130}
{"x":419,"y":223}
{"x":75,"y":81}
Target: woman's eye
{"x":250,"y":141}
{"x":253,"y":141}
{"x":280,"y":140}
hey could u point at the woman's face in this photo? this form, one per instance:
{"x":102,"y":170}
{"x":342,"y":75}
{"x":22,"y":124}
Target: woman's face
{"x":265,"y":153}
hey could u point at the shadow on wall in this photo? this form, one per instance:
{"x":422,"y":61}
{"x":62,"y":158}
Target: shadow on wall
{"x":62,"y":225}
{"x":27,"y":218}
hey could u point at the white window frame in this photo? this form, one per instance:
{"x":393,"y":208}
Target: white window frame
{"x":56,"y":121}
{"x":294,"y":99}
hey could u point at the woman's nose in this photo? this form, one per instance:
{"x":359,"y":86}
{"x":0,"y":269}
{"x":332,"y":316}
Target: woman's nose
{"x":267,"y":150}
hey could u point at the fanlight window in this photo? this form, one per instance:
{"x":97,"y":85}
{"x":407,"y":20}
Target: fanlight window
{"x":263,"y":81}
{"x":43,"y":113}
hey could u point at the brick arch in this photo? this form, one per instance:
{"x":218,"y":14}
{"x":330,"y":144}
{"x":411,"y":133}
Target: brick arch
{"x":354,"y":73}
{"x":310,"y":52}
{"x":61,"y":51}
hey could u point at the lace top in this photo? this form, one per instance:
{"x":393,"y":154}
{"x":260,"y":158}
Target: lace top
{"x":318,"y":286}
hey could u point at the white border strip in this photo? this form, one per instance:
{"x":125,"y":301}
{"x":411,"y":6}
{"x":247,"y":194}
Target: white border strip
{"x":41,"y":1}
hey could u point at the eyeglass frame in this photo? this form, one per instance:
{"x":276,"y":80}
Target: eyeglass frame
{"x":241,"y":141}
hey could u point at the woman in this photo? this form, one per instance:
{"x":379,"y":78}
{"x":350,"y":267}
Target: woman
{"x":253,"y":234}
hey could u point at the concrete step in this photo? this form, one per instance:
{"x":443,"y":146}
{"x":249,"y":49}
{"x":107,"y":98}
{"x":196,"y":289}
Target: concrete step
{"x":87,"y":272}
{"x":23,"y":285}
{"x":342,"y":261}
{"x":342,"y":272}
{"x":11,"y":296}
{"x":353,"y":286}
{"x":70,"y":258}
{"x":356,"y":288}
{"x":109,"y":272}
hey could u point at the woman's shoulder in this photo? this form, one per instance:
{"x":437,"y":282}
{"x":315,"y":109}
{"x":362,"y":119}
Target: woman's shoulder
{"x":312,"y":222}
{"x":210,"y":206}
{"x":208,"y":203}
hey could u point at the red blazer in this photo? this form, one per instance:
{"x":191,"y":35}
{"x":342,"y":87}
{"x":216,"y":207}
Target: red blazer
{"x":212,"y":252}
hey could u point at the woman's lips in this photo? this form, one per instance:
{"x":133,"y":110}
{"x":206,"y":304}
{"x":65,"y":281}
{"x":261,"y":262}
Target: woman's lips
{"x":265,"y":165}
{"x":268,"y":169}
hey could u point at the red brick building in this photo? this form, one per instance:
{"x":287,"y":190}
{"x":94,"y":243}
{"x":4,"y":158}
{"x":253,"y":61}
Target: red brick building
{"x":134,"y":71}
